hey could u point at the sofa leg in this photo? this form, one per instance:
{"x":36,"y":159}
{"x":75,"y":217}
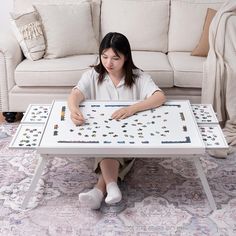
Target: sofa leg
{"x":10,"y":116}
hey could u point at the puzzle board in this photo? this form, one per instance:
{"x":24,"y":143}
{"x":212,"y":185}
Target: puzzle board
{"x":36,"y":113}
{"x":169,"y":129}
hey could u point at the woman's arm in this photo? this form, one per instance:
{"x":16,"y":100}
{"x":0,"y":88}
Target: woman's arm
{"x":155,"y":100}
{"x":74,"y":99}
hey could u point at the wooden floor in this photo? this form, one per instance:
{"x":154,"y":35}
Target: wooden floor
{"x":2,"y":119}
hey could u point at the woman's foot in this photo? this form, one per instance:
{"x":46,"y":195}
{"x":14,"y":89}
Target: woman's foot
{"x":92,"y":198}
{"x":113,"y":193}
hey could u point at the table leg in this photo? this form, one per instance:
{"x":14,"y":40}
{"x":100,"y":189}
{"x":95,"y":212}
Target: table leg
{"x":37,"y":174}
{"x":205,"y":184}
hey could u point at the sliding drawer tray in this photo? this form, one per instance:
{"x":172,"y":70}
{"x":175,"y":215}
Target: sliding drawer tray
{"x":27,"y":136}
{"x":36,"y":113}
{"x":213,"y":136}
{"x":204,"y":113}
{"x":30,"y":130}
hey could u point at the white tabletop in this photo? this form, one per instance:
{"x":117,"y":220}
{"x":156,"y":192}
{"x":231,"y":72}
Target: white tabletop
{"x":168,"y":130}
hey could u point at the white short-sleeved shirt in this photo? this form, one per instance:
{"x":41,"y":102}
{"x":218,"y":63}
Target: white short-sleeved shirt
{"x":143,"y":87}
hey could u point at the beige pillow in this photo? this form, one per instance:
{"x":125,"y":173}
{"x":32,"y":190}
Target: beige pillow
{"x":203,"y":45}
{"x":28,"y":31}
{"x":21,"y":5}
{"x":144,"y":23}
{"x":68,"y":29}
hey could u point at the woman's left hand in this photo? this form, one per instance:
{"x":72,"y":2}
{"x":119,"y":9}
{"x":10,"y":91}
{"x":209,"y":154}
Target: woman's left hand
{"x":123,"y":113}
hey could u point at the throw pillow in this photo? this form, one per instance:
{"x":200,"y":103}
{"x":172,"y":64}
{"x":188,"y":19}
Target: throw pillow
{"x":28,"y":31}
{"x":144,"y":23}
{"x":68,"y":29}
{"x":203,"y":45}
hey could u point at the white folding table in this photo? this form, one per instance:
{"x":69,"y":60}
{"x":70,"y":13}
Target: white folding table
{"x":176,"y":128}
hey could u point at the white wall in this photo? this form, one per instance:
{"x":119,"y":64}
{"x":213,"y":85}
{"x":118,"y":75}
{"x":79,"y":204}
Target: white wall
{"x":5,"y":7}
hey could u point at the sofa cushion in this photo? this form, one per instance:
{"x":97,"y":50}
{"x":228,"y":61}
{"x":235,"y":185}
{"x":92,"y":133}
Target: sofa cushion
{"x":157,"y":65}
{"x":188,"y":70}
{"x":22,"y":5}
{"x":54,"y":72}
{"x":71,"y":34}
{"x":144,"y":22}
{"x":186,"y":22}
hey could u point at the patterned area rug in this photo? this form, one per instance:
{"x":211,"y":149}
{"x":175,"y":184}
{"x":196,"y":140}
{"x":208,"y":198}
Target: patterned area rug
{"x":161,"y":196}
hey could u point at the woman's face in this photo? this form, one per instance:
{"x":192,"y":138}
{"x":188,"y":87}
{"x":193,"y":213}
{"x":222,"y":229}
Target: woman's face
{"x":113,"y":63}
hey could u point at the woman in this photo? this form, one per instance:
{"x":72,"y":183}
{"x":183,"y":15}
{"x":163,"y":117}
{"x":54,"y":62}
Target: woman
{"x":114,"y":78}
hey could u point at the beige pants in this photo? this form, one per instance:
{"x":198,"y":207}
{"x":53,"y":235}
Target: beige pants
{"x":125,"y":165}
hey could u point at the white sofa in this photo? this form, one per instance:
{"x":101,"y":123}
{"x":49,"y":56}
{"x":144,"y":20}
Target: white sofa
{"x":162,"y":34}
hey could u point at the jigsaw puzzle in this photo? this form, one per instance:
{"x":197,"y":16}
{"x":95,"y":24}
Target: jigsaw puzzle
{"x":170,"y":124}
{"x":152,"y":127}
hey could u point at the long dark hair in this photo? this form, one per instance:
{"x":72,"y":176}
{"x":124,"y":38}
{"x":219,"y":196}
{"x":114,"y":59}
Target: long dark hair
{"x":119,"y":44}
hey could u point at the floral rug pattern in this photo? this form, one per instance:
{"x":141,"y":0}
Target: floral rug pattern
{"x":161,"y":196}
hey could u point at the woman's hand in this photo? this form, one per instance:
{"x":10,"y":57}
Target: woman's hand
{"x":76,"y":116}
{"x":123,"y":113}
{"x":75,"y":98}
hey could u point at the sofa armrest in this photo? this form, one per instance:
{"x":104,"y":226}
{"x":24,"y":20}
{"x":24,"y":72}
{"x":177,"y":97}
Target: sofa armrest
{"x":10,"y":56}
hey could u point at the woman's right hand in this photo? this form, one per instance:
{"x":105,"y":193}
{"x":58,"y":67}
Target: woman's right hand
{"x":77,"y":116}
